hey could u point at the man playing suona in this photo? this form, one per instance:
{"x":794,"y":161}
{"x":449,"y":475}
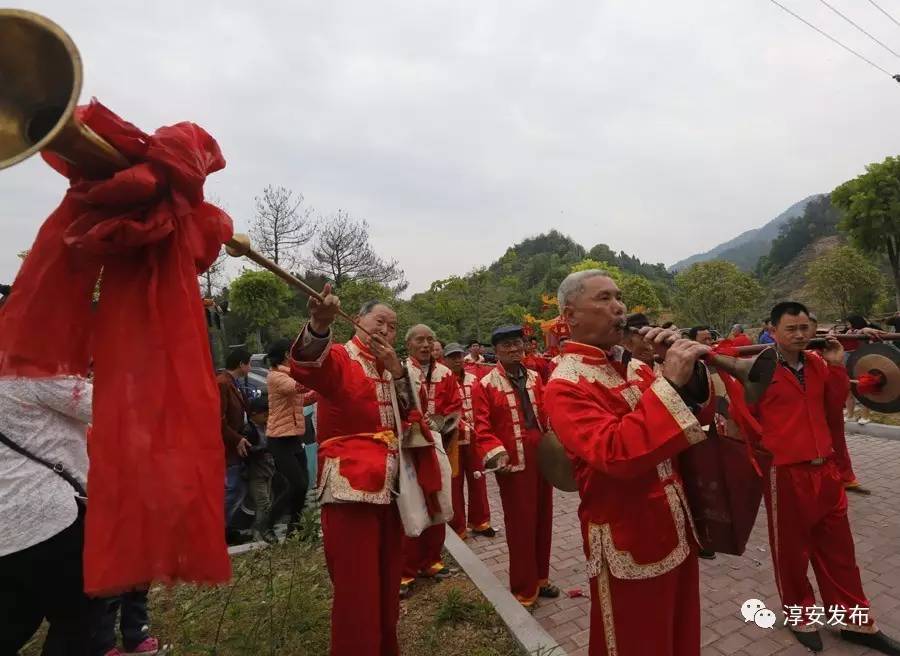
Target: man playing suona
{"x":622,"y":428}
{"x":358,"y":439}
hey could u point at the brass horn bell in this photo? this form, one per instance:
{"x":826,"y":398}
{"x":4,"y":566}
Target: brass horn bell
{"x":754,"y":374}
{"x":40,"y":82}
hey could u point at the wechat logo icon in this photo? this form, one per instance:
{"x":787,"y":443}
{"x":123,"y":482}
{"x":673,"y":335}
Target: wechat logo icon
{"x":753,"y":610}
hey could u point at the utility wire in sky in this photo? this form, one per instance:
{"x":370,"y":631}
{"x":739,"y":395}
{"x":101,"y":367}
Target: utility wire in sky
{"x":878,"y":7}
{"x":832,"y":39}
{"x":856,"y":25}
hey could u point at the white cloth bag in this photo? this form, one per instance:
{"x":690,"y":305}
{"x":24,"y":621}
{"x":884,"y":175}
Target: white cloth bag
{"x":410,"y":498}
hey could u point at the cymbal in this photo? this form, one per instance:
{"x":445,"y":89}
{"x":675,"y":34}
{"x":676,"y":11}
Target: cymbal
{"x":877,"y":358}
{"x":556,"y":466}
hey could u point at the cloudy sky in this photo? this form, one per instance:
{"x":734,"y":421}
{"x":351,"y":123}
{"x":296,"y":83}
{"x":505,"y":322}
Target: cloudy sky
{"x":459,"y":128}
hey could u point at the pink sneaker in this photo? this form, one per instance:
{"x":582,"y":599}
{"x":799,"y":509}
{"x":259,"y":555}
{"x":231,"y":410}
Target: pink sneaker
{"x":148,"y":647}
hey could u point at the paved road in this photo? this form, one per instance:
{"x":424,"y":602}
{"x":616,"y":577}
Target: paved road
{"x":729,"y":580}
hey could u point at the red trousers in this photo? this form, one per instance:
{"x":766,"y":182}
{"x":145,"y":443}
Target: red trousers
{"x":362,"y":551}
{"x":479,"y":510}
{"x":842,"y":456}
{"x":807,"y":512}
{"x":528,"y":519}
{"x":636,"y":617}
{"x":422,"y":555}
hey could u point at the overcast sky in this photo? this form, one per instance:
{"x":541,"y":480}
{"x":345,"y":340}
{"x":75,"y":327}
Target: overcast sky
{"x":459,"y":128}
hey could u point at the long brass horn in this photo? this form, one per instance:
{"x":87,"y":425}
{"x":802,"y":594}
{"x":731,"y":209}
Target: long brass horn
{"x":40,"y":82}
{"x":755,"y":374}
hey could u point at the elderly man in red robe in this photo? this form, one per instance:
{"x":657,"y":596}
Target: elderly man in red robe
{"x":358,"y":431}
{"x":806,"y":504}
{"x":509,"y":423}
{"x":622,"y":428}
{"x":440,"y":401}
{"x":479,"y":510}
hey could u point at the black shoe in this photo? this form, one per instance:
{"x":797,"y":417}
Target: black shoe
{"x":548,"y":591}
{"x":877,"y":641}
{"x":707,"y":554}
{"x":809,"y":639}
{"x":268,"y":536}
{"x":488,"y":532}
{"x":405,"y":590}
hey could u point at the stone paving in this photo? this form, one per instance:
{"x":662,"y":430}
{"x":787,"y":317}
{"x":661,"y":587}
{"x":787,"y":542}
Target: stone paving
{"x":725,"y":583}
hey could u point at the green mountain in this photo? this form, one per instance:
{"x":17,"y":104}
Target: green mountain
{"x":746,"y":249}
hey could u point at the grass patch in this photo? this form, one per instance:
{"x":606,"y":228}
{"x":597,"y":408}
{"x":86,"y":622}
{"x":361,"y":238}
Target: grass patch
{"x":279,"y":602}
{"x":451,"y":618}
{"x":881,"y":418}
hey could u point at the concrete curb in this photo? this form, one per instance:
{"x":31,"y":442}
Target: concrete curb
{"x":525,"y":629}
{"x":873,"y":430}
{"x":239,"y":549}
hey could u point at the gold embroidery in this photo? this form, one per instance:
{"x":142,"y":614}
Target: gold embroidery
{"x":383,"y":384}
{"x":664,"y":470}
{"x":621,"y":563}
{"x":606,"y":610}
{"x":632,"y":396}
{"x":687,"y":510}
{"x":634,"y":367}
{"x":493,"y":452}
{"x":773,"y":493}
{"x":334,"y":488}
{"x":572,"y":368}
{"x":682,"y":415}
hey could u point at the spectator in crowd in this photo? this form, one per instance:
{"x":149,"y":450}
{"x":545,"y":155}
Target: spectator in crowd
{"x":261,"y":469}
{"x":237,"y":447}
{"x":701,"y":334}
{"x":437,"y":351}
{"x":134,"y":625}
{"x":476,"y":353}
{"x":738,"y":337}
{"x":766,"y":337}
{"x":43,"y":473}
{"x":633,"y":341}
{"x":4,"y":293}
{"x":285,"y":429}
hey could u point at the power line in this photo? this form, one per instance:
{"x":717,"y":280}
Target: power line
{"x":831,"y":38}
{"x":882,"y":44}
{"x":875,"y":4}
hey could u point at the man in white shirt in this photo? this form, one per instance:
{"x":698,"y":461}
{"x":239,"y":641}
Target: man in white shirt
{"x":41,"y":522}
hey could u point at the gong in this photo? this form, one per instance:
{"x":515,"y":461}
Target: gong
{"x":882,"y":360}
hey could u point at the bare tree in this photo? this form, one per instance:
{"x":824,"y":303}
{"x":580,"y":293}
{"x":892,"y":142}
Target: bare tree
{"x":211,"y":279}
{"x":342,"y":252}
{"x":281,"y":225}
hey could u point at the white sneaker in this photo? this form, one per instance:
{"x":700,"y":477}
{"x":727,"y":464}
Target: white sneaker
{"x":862,"y":421}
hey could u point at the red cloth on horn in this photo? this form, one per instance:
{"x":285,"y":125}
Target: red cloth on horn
{"x":156,"y":454}
{"x":428,"y":470}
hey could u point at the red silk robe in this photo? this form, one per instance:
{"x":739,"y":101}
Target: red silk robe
{"x":622,"y":427}
{"x":805,"y":500}
{"x":441,"y":403}
{"x":357,"y":436}
{"x":527,"y":498}
{"x":479,"y":514}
